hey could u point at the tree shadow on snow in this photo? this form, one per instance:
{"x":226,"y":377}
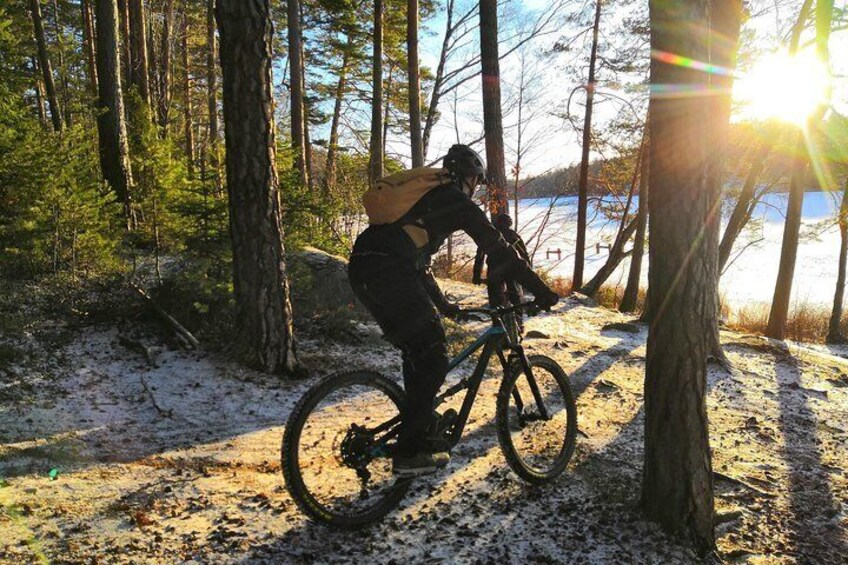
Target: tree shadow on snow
{"x":141,"y":411}
{"x":308,"y":540}
{"x":814,"y":527}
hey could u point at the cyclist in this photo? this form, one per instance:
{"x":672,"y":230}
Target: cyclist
{"x":389,"y":272}
{"x":500,"y":292}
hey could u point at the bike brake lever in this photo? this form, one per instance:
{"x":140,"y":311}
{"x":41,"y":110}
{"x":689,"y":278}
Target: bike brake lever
{"x":468,"y":317}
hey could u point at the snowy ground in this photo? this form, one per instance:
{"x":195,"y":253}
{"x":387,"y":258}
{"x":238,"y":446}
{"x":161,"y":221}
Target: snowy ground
{"x":180,"y":462}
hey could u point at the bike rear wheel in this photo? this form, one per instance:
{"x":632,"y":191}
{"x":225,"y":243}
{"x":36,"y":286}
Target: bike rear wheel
{"x":336,"y":451}
{"x":537,"y":448}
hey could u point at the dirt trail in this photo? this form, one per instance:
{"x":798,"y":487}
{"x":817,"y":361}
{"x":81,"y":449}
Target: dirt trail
{"x":179,"y":462}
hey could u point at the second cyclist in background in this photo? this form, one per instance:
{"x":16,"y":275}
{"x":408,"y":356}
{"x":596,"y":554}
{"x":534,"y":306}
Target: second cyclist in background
{"x":503,"y":292}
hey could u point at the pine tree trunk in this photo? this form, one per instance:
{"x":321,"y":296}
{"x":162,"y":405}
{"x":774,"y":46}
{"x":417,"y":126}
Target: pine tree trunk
{"x":631,"y":291}
{"x":744,"y":205}
{"x":263,"y":305}
{"x":583,"y":183}
{"x":124,"y":41}
{"x":779,"y":314}
{"x":518,"y":148}
{"x":111,"y":125}
{"x":44,"y":65}
{"x":139,"y":72}
{"x":375,"y":161}
{"x":62,"y":68}
{"x":387,"y":106}
{"x":164,"y":100}
{"x":834,"y":331}
{"x":296,"y":90}
{"x":307,"y":148}
{"x":40,"y":96}
{"x":212,"y":87}
{"x":332,"y":146}
{"x":725,"y":22}
{"x":88,"y":44}
{"x":677,"y":475}
{"x":492,"y":119}
{"x":307,"y":142}
{"x":414,"y":83}
{"x":188,"y":126}
{"x":152,"y":70}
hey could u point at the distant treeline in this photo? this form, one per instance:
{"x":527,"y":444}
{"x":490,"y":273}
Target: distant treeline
{"x":560,"y":182}
{"x":741,"y":155}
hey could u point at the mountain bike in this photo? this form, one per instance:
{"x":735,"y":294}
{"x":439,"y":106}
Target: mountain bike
{"x":338,"y":441}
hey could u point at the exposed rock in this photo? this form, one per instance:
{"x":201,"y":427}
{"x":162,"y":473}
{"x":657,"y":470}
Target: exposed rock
{"x":625,"y":327}
{"x":583,"y":300}
{"x":726,"y":517}
{"x":320,"y":286}
{"x":604,"y":386}
{"x":536,"y":334}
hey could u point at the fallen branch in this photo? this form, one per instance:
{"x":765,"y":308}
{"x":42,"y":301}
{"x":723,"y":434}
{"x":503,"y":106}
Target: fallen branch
{"x":740,"y":482}
{"x":164,"y":411}
{"x":185,"y":336}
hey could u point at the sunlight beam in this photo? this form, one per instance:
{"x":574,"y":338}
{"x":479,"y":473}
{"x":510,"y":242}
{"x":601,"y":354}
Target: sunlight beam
{"x":789,"y":88}
{"x":680,"y":61}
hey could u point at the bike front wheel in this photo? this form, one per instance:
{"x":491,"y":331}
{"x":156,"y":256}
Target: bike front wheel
{"x":537,"y":429}
{"x":336,"y":451}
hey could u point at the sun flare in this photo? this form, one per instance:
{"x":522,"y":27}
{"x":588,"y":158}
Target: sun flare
{"x":782,"y":87}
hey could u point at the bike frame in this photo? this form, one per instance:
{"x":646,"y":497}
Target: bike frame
{"x":494,"y":341}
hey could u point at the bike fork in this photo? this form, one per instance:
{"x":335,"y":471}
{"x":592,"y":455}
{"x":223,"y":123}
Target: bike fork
{"x":524,"y":363}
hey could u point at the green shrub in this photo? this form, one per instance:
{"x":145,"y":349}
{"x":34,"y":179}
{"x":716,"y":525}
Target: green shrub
{"x":55,"y":212}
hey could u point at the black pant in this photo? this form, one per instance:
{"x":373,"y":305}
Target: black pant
{"x":393,"y":291}
{"x":505,"y":293}
{"x":502,"y":293}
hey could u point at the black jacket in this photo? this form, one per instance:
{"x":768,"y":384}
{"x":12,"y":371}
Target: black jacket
{"x":514,"y":240}
{"x":438,"y":214}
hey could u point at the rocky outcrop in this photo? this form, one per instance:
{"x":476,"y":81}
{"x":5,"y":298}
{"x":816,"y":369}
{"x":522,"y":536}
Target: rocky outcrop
{"x":320,"y":287}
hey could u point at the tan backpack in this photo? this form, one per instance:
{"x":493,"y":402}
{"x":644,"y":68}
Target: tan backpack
{"x":391,"y":197}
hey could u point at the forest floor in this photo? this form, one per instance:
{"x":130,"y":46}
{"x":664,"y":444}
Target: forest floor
{"x":108,"y":456}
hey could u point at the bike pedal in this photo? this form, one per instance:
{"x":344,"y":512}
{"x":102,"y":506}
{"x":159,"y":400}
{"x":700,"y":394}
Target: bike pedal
{"x":446,"y":422}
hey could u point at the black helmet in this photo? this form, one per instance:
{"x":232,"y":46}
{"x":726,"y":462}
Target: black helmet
{"x":463,"y":162}
{"x":503,"y":221}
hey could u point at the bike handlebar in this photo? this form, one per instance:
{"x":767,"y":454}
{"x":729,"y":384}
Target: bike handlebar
{"x":499,"y":311}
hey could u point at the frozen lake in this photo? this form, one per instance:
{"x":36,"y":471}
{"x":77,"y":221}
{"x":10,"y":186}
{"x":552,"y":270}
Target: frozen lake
{"x":752,"y":271}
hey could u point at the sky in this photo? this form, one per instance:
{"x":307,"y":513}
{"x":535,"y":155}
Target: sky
{"x":554,"y":141}
{"x":559,"y":144}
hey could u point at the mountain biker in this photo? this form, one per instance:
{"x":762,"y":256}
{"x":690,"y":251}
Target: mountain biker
{"x":500,"y":291}
{"x":389,"y":272}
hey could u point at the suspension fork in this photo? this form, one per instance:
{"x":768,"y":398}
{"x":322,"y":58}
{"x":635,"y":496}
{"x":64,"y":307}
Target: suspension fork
{"x":524,"y":363}
{"x":519,"y":404}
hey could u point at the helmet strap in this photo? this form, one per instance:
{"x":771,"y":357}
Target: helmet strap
{"x":469,"y":188}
